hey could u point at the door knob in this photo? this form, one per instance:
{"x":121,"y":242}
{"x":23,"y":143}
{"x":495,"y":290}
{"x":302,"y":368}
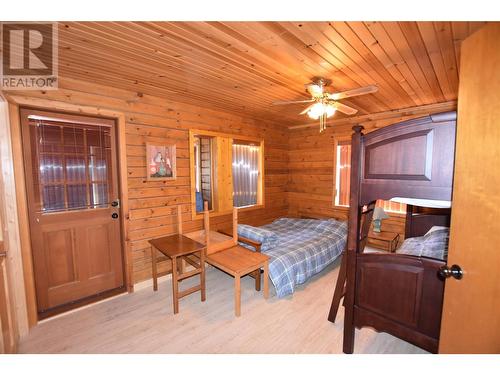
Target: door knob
{"x":454,"y":271}
{"x":114,"y":215}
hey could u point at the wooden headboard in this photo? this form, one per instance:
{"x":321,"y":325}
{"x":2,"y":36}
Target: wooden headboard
{"x":420,"y":219}
{"x":317,"y":217}
{"x":411,"y":159}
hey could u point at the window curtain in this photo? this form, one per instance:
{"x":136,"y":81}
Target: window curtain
{"x":245,"y":174}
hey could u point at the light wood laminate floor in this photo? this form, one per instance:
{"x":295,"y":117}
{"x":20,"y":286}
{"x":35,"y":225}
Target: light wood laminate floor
{"x":143,"y":322}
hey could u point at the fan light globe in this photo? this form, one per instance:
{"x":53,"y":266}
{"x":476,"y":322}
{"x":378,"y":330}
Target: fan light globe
{"x":330,"y":110}
{"x":319,"y":109}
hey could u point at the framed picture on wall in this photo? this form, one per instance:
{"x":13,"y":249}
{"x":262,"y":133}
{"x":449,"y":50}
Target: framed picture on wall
{"x":160,"y":162}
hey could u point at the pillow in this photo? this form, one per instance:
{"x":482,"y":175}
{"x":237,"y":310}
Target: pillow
{"x":436,"y":228}
{"x":435,"y":244}
{"x":267,"y":238}
{"x":412,"y":246}
{"x":331,"y":226}
{"x":199,"y":202}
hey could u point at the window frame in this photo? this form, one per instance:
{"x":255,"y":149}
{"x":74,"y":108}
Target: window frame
{"x":217,"y":136}
{"x":336,"y":141}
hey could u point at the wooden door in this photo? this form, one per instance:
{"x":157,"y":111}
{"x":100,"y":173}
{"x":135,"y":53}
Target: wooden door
{"x":72,"y":186}
{"x":471,"y":311}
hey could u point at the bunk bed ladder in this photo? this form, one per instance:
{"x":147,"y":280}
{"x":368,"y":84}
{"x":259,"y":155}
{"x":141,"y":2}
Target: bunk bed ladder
{"x":340,"y":287}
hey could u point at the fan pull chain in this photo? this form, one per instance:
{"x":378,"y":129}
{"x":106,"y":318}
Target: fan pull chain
{"x":322,"y":122}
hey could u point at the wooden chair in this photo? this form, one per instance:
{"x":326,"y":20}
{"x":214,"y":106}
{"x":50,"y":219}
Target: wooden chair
{"x":224,"y":253}
{"x":255,"y":245}
{"x":180,"y":249}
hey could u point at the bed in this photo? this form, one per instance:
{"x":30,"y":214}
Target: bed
{"x":399,"y":293}
{"x":298,"y":248}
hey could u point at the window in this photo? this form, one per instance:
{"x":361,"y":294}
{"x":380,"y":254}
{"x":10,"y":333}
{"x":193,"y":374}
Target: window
{"x":226,"y":171}
{"x":342,"y":179}
{"x":71,"y":164}
{"x":245,"y":174}
{"x":203,"y":171}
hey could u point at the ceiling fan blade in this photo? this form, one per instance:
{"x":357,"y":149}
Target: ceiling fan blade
{"x":355,"y":92}
{"x":282,"y":102}
{"x":344,"y":108}
{"x":307,"y":109}
{"x":315,"y":90}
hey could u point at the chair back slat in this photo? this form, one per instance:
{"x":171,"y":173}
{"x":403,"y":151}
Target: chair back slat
{"x":217,"y":241}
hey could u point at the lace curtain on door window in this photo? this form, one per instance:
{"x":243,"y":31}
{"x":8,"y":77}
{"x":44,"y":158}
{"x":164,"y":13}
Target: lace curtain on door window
{"x":72,"y":165}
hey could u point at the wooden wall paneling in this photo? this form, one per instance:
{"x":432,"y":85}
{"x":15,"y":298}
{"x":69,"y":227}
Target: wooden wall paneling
{"x":427,"y":31}
{"x":361,"y":56}
{"x":315,"y":35}
{"x":412,"y":35}
{"x":8,"y":328}
{"x":361,"y":29}
{"x":12,"y":231}
{"x":242,"y":67}
{"x":8,"y":324}
{"x":385,"y":41}
{"x":150,"y":118}
{"x":348,"y":35}
{"x":402,"y":48}
{"x":311,"y":183}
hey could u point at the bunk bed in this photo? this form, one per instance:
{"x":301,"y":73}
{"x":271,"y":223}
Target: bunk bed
{"x":401,"y":294}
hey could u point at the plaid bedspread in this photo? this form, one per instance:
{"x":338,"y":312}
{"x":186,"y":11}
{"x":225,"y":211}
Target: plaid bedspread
{"x":303,"y":248}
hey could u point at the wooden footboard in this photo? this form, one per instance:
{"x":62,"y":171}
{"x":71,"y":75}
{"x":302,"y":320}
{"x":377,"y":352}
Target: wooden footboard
{"x":401,"y":295}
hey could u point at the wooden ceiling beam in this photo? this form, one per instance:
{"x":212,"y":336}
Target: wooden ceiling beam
{"x":421,"y":109}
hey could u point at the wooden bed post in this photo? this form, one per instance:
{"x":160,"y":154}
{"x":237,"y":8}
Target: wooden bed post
{"x":352,"y":240}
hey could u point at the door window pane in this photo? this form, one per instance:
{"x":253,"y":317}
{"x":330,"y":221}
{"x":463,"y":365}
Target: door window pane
{"x":71,"y":165}
{"x":77,"y":196}
{"x":99,"y":194}
{"x":53,"y":198}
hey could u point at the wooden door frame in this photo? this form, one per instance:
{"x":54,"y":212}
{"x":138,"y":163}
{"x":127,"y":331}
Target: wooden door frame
{"x":17,"y":101}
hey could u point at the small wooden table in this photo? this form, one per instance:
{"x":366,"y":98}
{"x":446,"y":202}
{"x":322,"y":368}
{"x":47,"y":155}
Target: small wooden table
{"x":387,"y":241}
{"x":234,"y":260}
{"x":255,"y":245}
{"x":238,"y":262}
{"x":176,"y":247}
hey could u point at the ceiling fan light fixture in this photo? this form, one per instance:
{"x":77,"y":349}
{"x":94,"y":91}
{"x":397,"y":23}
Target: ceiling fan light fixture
{"x":320,"y":109}
{"x":330,"y":110}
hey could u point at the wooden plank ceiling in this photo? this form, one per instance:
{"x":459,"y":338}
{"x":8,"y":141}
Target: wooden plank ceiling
{"x":244,"y":66}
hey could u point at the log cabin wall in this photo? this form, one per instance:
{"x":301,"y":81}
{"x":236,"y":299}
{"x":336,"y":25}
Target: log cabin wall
{"x":152,"y":205}
{"x":311,"y":167}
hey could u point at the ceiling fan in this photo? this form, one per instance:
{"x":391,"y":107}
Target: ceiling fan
{"x":325,"y":104}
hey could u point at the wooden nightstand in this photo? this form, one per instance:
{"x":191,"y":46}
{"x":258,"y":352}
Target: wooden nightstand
{"x":387,"y":241}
